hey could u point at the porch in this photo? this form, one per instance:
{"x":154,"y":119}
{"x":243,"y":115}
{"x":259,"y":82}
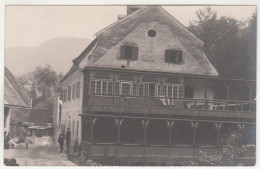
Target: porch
{"x":182,"y":107}
{"x":164,"y":139}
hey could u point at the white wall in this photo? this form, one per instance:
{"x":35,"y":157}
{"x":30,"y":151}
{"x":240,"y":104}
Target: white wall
{"x":71,"y":109}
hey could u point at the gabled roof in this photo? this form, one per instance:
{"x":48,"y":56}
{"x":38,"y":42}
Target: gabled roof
{"x":144,"y":9}
{"x":14,"y":93}
{"x":113,"y":35}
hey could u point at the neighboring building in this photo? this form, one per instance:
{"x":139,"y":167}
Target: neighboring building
{"x":16,"y":100}
{"x":144,"y":88}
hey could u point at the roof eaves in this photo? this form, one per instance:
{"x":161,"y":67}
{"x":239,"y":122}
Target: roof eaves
{"x":180,"y":24}
{"x":78,"y":59}
{"x":18,"y":87}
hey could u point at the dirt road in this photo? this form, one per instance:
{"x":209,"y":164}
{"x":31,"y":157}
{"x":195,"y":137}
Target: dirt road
{"x":43,"y":153}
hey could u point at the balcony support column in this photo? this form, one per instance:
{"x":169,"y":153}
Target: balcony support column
{"x":227,"y":84}
{"x":145,"y":124}
{"x":93,"y":121}
{"x":170,"y":125}
{"x":241,"y":128}
{"x":250,"y":86}
{"x":205,"y":89}
{"x":217,"y":127}
{"x":119,"y":123}
{"x":194,"y":126}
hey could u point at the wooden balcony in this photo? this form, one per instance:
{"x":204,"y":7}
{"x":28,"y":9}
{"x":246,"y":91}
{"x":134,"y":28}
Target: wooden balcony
{"x":198,"y":108}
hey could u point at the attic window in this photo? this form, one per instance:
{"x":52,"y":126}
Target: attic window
{"x":173,"y":56}
{"x":152,"y":33}
{"x":129,"y":52}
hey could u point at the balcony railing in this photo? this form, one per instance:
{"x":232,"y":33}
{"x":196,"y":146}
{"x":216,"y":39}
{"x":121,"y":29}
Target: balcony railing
{"x":151,"y":151}
{"x":172,"y":106}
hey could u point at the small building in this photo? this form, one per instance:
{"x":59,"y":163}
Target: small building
{"x":17,"y":100}
{"x":144,"y":88}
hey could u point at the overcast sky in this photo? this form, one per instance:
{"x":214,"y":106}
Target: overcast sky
{"x":33,"y":25}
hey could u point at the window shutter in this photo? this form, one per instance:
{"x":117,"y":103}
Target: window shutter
{"x":122,"y":51}
{"x":78,"y":90}
{"x":61,"y":95}
{"x":167,"y":56}
{"x":135,"y":53}
{"x":180,"y":57}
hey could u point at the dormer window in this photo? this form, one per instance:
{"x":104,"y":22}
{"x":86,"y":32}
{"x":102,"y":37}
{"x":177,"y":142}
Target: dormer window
{"x":173,"y":56}
{"x":129,"y":52}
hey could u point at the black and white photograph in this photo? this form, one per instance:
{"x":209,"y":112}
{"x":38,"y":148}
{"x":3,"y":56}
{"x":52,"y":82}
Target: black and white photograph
{"x":129,"y":85}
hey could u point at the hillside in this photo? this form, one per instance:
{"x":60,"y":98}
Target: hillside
{"x":58,"y":52}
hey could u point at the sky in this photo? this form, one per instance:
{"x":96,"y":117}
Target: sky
{"x":33,"y":25}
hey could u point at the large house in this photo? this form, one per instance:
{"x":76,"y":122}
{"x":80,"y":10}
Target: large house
{"x":144,"y":88}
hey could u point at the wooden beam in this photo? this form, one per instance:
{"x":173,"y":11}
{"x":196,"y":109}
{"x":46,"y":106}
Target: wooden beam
{"x":161,"y":118}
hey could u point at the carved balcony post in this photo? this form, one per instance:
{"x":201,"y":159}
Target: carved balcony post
{"x":145,"y":124}
{"x":93,"y":121}
{"x":217,"y":127}
{"x":250,"y":86}
{"x":170,"y":125}
{"x":119,"y":123}
{"x":227,"y":84}
{"x":241,"y":127}
{"x":194,"y":126}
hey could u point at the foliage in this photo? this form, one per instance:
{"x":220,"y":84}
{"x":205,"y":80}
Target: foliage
{"x":43,"y":84}
{"x":228,"y":156}
{"x":230,"y":44}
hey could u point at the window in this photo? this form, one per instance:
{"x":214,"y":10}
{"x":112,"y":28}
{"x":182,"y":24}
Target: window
{"x":69,"y":93}
{"x":144,"y":89}
{"x":77,"y":128}
{"x":129,"y":52}
{"x":101,"y":87}
{"x":126,"y":89}
{"x":151,"y":33}
{"x":78,"y":90}
{"x":65,"y":95}
{"x":73,"y":124}
{"x":173,"y":56}
{"x":61,"y":95}
{"x":73,"y":91}
{"x":175,"y":91}
{"x":189,"y":91}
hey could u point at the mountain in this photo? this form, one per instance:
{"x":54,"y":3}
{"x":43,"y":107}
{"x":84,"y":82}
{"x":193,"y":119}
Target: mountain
{"x":58,"y":52}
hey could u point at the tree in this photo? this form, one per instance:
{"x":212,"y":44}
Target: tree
{"x":43,"y":84}
{"x":225,"y":42}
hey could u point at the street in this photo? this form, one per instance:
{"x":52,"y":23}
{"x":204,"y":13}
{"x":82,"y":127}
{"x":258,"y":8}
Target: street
{"x":43,"y":153}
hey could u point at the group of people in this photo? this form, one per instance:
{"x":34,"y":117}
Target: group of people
{"x":62,"y":138}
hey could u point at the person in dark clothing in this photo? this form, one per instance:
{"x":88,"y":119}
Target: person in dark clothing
{"x":61,"y":141}
{"x":6,"y":140}
{"x":68,"y":135}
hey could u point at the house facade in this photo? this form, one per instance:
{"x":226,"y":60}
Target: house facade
{"x":147,"y":91}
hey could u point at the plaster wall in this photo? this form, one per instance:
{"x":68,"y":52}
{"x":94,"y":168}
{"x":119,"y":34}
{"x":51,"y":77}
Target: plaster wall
{"x":71,"y":109}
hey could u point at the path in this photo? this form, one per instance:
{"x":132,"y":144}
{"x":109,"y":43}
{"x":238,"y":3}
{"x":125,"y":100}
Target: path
{"x":41,"y":154}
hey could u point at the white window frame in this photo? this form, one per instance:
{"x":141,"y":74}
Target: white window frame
{"x":131,"y":87}
{"x":172,"y":85}
{"x":101,"y":86}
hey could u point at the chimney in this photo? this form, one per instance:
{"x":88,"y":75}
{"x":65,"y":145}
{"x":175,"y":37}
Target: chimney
{"x":132,"y":8}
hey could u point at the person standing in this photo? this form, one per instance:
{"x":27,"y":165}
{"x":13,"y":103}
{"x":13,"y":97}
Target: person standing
{"x":61,"y":141}
{"x":26,"y":140}
{"x":68,"y":136}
